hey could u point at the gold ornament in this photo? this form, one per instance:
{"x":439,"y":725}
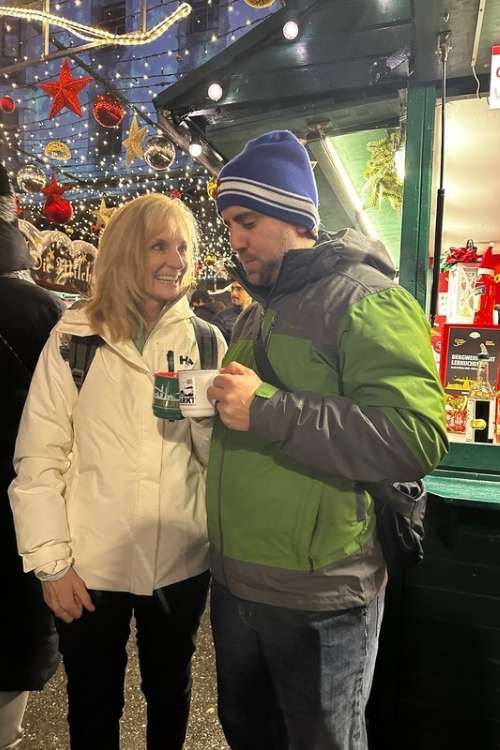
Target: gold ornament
{"x":69,"y":230}
{"x":57,"y":150}
{"x":31,"y":179}
{"x":259,"y":3}
{"x":133,"y":142}
{"x":210,"y":260}
{"x":212,"y":185}
{"x":103,"y":214}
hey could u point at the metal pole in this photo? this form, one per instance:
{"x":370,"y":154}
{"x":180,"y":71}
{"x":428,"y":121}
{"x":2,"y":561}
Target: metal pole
{"x":444,"y":47}
{"x":46,"y":28}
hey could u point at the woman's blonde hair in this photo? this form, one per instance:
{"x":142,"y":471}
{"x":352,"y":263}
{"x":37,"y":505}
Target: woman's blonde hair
{"x":119,"y":286}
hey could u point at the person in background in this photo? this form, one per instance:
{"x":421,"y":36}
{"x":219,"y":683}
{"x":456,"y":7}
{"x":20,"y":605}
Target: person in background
{"x":109,"y":500}
{"x":350,"y":396}
{"x":240,"y":300}
{"x":28,"y":638}
{"x":204,"y":306}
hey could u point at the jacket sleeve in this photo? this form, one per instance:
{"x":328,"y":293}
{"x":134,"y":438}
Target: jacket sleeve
{"x":388,"y":422}
{"x":201,"y":429}
{"x":41,"y":462}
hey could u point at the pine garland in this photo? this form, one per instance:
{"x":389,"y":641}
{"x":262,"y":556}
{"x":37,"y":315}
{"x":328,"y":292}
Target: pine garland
{"x":382,"y":179}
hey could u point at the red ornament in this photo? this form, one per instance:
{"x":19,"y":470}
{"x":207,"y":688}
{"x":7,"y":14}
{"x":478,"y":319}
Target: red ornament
{"x":108,"y":111}
{"x":7,"y":104}
{"x":58,"y":210}
{"x":53,"y":190}
{"x":175,"y":194}
{"x":65,"y":91}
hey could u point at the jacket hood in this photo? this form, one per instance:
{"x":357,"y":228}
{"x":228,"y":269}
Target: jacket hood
{"x":212,"y":307}
{"x":14,"y":253}
{"x":302,"y":266}
{"x":353,"y":246}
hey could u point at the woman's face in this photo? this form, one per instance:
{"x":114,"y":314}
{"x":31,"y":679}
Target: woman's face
{"x":166,"y":264}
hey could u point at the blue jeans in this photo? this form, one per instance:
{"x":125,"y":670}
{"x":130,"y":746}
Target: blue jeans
{"x":293,"y":679}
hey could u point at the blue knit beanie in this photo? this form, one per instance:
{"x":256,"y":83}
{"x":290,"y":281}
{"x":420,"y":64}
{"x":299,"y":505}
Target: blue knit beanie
{"x":273,"y":176}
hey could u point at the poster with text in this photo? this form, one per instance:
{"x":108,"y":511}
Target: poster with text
{"x":459,"y":362}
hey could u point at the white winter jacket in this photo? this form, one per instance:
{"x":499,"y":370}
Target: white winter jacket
{"x":101,"y":482}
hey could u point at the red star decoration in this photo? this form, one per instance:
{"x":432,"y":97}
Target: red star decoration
{"x":52,"y":189}
{"x":65,"y":91}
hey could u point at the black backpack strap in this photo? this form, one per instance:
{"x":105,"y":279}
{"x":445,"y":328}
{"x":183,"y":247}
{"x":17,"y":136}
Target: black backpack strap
{"x":80,"y":354}
{"x":206,"y":340}
{"x":264,"y":367}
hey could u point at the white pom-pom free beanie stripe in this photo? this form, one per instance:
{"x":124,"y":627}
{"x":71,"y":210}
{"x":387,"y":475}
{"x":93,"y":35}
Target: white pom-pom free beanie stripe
{"x":273,"y":176}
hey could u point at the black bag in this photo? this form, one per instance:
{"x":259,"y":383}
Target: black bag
{"x":400,"y":510}
{"x":399,"y":506}
{"x":80,"y":350}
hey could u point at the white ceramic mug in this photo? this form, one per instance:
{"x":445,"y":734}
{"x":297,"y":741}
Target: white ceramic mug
{"x":193,"y":385}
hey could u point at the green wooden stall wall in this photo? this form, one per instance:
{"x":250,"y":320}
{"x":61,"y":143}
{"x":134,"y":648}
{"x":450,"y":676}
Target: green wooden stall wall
{"x":437,"y":681}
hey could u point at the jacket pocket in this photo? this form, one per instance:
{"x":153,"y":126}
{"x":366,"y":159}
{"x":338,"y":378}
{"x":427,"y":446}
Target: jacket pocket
{"x":306,"y":523}
{"x":341,"y":521}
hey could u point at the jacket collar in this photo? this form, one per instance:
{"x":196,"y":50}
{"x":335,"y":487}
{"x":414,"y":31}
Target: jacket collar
{"x":76,"y":323}
{"x":303,"y":266}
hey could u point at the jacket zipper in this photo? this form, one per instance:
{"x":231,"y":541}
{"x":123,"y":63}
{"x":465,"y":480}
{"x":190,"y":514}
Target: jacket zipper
{"x":313,"y":534}
{"x":269,"y":332}
{"x":219,"y":509}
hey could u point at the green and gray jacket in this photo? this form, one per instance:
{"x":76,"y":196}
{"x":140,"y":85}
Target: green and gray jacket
{"x":288,"y":521}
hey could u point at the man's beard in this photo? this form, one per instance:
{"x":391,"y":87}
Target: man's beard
{"x":268,"y":273}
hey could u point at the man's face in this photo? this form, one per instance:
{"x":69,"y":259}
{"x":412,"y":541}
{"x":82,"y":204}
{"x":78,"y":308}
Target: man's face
{"x":239,"y":296}
{"x":260,"y":242}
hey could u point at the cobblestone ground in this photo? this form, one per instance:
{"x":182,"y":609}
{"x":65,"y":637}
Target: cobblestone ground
{"x":45,"y":720}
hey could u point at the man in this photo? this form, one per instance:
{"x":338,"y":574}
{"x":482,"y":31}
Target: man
{"x":240,"y":300}
{"x":204,"y":306}
{"x":298,"y":573}
{"x":28,"y":650}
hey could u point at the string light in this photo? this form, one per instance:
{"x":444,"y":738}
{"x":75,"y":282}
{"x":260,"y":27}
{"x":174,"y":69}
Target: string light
{"x":100,"y":37}
{"x":98,"y":170}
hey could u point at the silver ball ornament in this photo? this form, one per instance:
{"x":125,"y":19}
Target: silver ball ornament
{"x":159,"y":153}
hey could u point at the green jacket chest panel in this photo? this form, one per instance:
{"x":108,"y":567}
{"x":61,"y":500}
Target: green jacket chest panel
{"x":299,"y":364}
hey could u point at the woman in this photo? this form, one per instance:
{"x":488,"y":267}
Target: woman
{"x":108,"y":499}
{"x":28,"y":638}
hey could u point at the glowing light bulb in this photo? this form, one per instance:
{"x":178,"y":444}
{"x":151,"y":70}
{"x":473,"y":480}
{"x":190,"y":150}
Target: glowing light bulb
{"x":399,"y":160}
{"x":215,"y":92}
{"x":290,"y":30}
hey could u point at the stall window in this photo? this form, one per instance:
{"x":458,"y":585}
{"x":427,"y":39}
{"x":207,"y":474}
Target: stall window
{"x":466,"y":335}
